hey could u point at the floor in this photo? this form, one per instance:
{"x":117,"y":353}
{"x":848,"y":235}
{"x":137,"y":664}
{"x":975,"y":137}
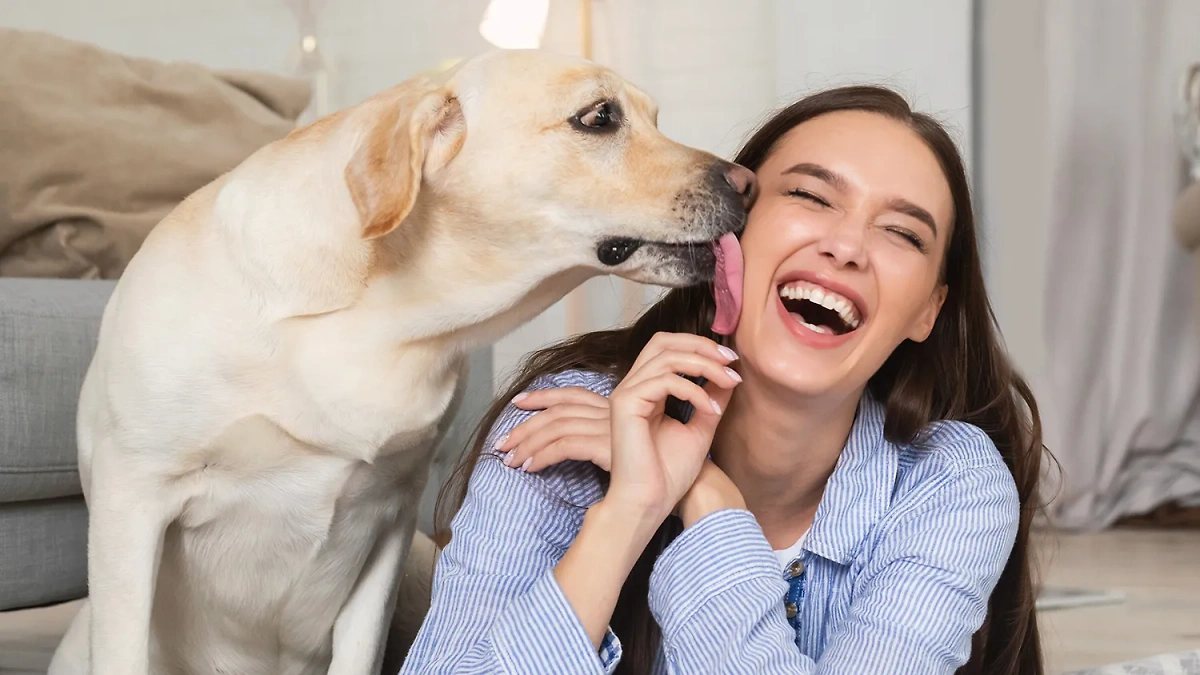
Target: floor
{"x":1155,"y":570}
{"x":1157,"y":573}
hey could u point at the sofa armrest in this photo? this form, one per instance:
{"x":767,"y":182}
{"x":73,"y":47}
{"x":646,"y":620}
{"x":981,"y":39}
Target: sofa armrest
{"x":48,"y":331}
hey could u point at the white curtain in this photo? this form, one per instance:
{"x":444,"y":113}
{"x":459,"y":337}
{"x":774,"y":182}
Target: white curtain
{"x":1122,"y":374}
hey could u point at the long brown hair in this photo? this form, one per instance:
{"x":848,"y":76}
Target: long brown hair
{"x":961,"y":372}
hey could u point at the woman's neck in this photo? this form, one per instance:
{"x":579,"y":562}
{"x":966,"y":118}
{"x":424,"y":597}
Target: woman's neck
{"x":780,"y":451}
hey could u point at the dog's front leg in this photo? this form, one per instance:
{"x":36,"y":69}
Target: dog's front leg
{"x":360,"y":631}
{"x":128,"y":516}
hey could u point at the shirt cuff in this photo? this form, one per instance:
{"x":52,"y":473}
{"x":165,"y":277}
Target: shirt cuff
{"x":720,"y":551}
{"x":540,"y":633}
{"x":610,"y":652}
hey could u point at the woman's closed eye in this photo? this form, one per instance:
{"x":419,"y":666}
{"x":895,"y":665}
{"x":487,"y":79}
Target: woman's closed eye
{"x":909,"y":236}
{"x":904,"y":233}
{"x":809,"y":196}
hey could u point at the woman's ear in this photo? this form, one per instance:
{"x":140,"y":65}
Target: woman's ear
{"x":928,"y":317}
{"x":416,"y":134}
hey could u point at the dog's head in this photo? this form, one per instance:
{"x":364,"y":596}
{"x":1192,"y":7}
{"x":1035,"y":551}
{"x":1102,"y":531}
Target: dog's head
{"x":521,"y":173}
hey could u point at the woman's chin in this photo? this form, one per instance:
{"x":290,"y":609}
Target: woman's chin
{"x":805,"y":376}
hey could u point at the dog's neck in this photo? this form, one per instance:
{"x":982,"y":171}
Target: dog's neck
{"x":440,"y":296}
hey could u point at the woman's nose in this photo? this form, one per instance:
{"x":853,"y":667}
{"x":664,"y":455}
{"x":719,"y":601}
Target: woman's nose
{"x":842,"y":244}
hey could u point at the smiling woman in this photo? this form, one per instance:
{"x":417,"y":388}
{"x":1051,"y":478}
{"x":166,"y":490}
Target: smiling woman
{"x":854,"y":490}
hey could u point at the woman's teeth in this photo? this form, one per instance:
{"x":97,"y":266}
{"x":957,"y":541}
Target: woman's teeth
{"x":825,"y":298}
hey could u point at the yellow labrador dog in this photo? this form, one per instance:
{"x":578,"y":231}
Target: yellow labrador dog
{"x":277,"y":361}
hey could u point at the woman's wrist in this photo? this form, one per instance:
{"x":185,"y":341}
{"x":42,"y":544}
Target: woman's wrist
{"x":629,"y":526}
{"x":709,"y":496}
{"x":633,"y":513}
{"x":595,"y":567}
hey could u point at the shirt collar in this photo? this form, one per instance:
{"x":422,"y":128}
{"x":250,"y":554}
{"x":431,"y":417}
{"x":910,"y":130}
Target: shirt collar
{"x":858,"y":491}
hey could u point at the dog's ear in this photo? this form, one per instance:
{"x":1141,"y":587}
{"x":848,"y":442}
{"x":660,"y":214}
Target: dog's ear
{"x":417,"y":136}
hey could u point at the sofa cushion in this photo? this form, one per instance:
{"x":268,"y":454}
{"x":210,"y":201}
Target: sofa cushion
{"x":43,"y":552}
{"x":99,"y":147}
{"x":48,"y":330}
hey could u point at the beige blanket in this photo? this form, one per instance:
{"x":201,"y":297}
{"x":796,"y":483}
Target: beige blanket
{"x":96,"y":147}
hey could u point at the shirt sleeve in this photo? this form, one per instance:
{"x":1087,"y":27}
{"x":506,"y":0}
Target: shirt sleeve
{"x":718,"y":592}
{"x":496,"y":604}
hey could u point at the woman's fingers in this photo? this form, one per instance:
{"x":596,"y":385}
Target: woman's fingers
{"x":644,"y":398}
{"x":540,"y":399}
{"x":549,"y":417}
{"x":685,"y":363}
{"x":706,"y":425}
{"x":594,"y":449}
{"x":683,"y":342}
{"x":547,"y":435}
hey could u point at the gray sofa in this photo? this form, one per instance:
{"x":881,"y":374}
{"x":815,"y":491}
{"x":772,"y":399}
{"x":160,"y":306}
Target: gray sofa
{"x":47,"y":336}
{"x":48,"y":331}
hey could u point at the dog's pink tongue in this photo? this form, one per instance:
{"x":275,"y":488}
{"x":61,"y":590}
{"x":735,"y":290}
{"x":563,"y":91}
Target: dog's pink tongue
{"x":727,"y":286}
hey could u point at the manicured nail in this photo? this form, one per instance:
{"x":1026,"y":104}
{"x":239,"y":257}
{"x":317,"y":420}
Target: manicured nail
{"x":727,"y":352}
{"x":525,"y":465}
{"x":509,"y":457}
{"x":716,"y":407}
{"x":500,"y":442}
{"x":520,"y":397}
{"x":734,"y":374}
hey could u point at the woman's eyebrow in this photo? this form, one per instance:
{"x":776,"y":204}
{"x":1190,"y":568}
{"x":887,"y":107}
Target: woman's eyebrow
{"x":820,"y":173}
{"x":901,"y":205}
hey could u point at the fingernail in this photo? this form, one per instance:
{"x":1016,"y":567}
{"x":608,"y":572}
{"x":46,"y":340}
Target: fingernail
{"x":716,"y":407}
{"x":727,"y":352}
{"x":734,"y":374}
{"x":526,"y":463}
{"x":500,"y":442}
{"x":520,"y":397}
{"x":509,"y":457}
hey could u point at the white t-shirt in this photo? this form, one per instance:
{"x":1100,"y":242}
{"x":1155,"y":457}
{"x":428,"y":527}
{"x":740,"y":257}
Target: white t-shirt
{"x":787,"y":555}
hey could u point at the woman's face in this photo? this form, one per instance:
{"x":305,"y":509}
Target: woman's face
{"x":842,"y":251}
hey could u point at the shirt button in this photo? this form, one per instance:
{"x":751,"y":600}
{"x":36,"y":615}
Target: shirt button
{"x":796,"y":569}
{"x":791,"y":610}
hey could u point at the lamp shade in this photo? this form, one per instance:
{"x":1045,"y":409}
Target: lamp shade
{"x":515,"y":24}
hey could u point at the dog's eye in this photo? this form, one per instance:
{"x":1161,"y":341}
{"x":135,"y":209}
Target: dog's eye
{"x":598,"y":117}
{"x":603,"y":116}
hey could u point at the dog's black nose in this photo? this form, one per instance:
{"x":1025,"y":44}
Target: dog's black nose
{"x":741,"y":180}
{"x":735,"y":184}
{"x":613,"y":252}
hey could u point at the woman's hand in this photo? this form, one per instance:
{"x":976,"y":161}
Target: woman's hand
{"x":656,"y":458}
{"x":572,"y":423}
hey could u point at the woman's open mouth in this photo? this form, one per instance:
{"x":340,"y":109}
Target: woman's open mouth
{"x":820,"y":309}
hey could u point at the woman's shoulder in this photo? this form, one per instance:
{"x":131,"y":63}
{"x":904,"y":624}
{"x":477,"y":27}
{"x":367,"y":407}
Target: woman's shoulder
{"x":956,"y":446}
{"x":958,"y":459}
{"x":598,"y":382}
{"x":952,"y":513}
{"x":573,"y":483}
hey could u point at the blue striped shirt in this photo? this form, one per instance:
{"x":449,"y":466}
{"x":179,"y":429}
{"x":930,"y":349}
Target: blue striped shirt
{"x":894,"y":575}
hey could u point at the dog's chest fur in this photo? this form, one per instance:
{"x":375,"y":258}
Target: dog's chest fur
{"x":261,"y":563}
{"x":275,"y":530}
